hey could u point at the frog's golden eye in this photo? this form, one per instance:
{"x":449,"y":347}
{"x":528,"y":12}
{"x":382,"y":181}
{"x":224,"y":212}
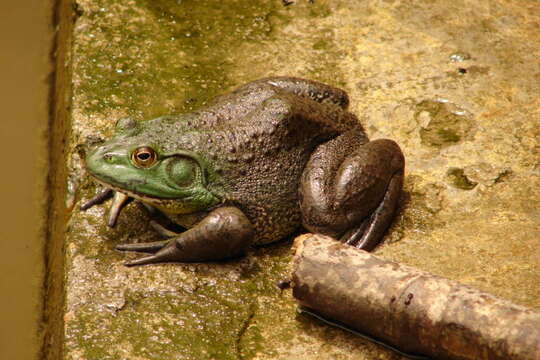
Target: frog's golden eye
{"x":144,"y":157}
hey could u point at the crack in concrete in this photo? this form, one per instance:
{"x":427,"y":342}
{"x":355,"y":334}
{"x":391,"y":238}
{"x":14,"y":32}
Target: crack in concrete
{"x":247,"y":322}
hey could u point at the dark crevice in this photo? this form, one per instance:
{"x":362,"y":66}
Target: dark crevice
{"x":56,"y":215}
{"x":243,"y":330}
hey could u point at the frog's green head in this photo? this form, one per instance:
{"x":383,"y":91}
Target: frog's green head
{"x":135,"y":163}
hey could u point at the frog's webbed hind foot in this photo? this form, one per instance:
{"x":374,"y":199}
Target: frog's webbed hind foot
{"x":225,"y":232}
{"x":350,"y":189}
{"x":372,"y":229}
{"x":162,"y":230}
{"x":149,"y":247}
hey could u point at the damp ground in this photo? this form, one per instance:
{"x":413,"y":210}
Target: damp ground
{"x":456,"y":84}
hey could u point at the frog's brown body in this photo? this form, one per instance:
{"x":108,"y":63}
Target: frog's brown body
{"x":272,"y":155}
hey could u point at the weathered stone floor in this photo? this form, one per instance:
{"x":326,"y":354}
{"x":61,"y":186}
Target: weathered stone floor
{"x":455,"y":83}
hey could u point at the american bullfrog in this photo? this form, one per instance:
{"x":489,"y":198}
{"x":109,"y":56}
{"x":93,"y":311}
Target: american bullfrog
{"x":250,"y":168}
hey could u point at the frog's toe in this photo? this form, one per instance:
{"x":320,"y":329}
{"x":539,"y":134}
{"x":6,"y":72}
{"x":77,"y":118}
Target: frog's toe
{"x":161,"y":230}
{"x":149,"y":247}
{"x":120,"y":200}
{"x":100,"y":198}
{"x":371,"y":230}
{"x":166,"y":254}
{"x":142,"y":261}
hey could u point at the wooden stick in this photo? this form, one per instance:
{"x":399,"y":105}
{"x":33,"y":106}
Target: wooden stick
{"x":414,"y":311}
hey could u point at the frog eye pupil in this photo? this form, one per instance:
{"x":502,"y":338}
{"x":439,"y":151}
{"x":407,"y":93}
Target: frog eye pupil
{"x":143,"y":156}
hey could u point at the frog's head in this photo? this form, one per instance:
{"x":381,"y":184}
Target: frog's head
{"x":134,"y":162}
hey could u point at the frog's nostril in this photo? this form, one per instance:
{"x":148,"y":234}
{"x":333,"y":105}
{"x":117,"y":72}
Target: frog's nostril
{"x":108,"y":158}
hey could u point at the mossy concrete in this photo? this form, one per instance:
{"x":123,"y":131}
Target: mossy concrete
{"x":456,"y":84}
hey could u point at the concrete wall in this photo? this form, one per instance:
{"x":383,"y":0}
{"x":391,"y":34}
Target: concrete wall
{"x":26,"y":38}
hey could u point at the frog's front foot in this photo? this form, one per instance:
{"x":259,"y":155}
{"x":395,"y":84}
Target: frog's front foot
{"x":350,"y":189}
{"x":120,"y":200}
{"x":223,"y":233}
{"x":100,"y":198}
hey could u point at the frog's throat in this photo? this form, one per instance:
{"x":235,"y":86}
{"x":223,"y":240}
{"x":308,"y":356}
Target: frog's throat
{"x":119,"y":204}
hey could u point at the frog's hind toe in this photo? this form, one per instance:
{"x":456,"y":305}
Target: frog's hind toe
{"x":150,"y":247}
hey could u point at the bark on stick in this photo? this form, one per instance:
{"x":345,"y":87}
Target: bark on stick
{"x":412,"y":310}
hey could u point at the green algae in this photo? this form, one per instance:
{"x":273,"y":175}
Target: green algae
{"x":326,"y":57}
{"x":322,"y":44}
{"x":172,"y":56}
{"x":205,"y":326}
{"x":214,"y":319}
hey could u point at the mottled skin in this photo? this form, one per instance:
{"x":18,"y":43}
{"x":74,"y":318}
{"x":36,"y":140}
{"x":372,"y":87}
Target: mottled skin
{"x":251,"y":168}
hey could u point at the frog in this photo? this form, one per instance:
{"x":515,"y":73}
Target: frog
{"x":251,"y":167}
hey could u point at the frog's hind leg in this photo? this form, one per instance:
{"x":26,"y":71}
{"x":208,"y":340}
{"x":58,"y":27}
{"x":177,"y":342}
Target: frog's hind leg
{"x":225,"y":232}
{"x":350,"y":189}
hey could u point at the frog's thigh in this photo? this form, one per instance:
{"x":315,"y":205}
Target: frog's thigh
{"x":349,"y":189}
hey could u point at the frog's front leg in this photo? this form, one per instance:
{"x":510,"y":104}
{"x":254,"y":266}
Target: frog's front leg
{"x":100,"y":198}
{"x":120,"y":200}
{"x":350,"y":189}
{"x":226,"y":232}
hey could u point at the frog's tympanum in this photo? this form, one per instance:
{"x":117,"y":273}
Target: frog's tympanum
{"x":250,"y":168}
